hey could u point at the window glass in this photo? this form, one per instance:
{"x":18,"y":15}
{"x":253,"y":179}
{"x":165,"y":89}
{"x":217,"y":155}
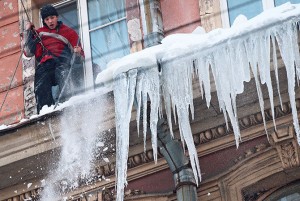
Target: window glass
{"x":289,"y":192}
{"x":68,"y":14}
{"x":279,"y":2}
{"x":108,"y":43}
{"x":102,"y":12}
{"x":292,"y":197}
{"x":108,"y":32}
{"x":249,"y":8}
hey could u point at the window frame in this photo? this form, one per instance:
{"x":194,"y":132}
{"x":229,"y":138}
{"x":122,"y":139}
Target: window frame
{"x":84,"y":34}
{"x":267,"y":4}
{"x":85,"y":38}
{"x":83,"y":15}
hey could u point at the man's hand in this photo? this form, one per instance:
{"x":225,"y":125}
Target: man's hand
{"x":29,"y":26}
{"x":77,"y":49}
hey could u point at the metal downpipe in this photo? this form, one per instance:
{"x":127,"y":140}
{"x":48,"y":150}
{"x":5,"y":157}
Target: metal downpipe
{"x":185,"y":184}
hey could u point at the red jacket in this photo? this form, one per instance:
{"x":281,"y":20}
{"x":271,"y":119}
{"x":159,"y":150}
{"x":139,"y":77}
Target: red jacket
{"x":54,"y":43}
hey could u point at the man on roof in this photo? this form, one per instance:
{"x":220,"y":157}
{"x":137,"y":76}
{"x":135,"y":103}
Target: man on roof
{"x":56,"y":49}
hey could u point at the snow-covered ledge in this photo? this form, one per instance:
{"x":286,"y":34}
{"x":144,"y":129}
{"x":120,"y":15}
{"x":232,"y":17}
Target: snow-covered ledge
{"x":166,"y":72}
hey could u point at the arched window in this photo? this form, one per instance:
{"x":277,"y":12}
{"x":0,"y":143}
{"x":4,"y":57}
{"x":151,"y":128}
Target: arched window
{"x":290,"y":192}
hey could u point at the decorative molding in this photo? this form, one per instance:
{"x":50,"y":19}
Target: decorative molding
{"x":133,"y":162}
{"x":28,"y":79}
{"x":287,"y":147}
{"x":250,"y":152}
{"x":210,"y":14}
{"x":33,"y":195}
{"x":283,"y":140}
{"x":28,"y":64}
{"x":108,"y":195}
{"x":289,"y":155}
{"x":206,"y":7}
{"x":131,"y":193}
{"x":285,"y":150}
{"x":244,"y":123}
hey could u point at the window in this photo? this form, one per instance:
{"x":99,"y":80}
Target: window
{"x":290,"y":192}
{"x":69,"y":16}
{"x":249,"y":8}
{"x":279,"y":2}
{"x":230,"y":9}
{"x":101,"y":25}
{"x":105,"y":35}
{"x":108,"y":31}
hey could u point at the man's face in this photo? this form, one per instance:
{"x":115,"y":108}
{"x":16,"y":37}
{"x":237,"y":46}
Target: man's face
{"x":51,"y":21}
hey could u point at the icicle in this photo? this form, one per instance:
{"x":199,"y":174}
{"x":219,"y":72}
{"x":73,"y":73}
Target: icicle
{"x":296,"y":51}
{"x":145,"y":110}
{"x":181,"y":97}
{"x":168,"y":109}
{"x":264,"y":66}
{"x":150,"y":85}
{"x":275,"y":64}
{"x":206,"y":77}
{"x":252,"y":54}
{"x":196,"y":65}
{"x":141,"y":103}
{"x":189,"y":85}
{"x":285,"y":36}
{"x":295,"y":46}
{"x":124,"y":91}
{"x":224,"y":80}
{"x":138,"y":104}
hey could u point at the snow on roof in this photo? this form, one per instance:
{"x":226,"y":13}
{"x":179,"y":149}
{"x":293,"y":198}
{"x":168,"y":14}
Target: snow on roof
{"x":50,"y":109}
{"x":176,"y":45}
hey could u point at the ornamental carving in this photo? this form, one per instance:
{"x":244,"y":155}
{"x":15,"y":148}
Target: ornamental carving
{"x":250,"y":152}
{"x":32,"y":195}
{"x":210,"y":14}
{"x":289,"y":156}
{"x":283,"y":139}
{"x":206,"y":6}
{"x":28,"y":65}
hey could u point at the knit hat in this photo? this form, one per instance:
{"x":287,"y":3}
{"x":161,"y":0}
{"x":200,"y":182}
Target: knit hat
{"x":48,"y":10}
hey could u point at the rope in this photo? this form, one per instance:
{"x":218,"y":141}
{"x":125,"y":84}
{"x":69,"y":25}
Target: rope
{"x":35,"y":32}
{"x":67,"y":78}
{"x":22,"y":51}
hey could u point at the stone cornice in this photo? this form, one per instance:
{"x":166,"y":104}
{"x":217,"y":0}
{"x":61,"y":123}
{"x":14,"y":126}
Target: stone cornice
{"x":142,"y":164}
{"x":211,"y":135}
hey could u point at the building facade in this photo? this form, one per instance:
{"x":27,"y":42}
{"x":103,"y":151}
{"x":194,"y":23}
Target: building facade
{"x":262,"y":168}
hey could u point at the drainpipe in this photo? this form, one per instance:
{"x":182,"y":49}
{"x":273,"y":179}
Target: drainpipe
{"x":171,"y":149}
{"x":173,"y":152}
{"x":152,"y":22}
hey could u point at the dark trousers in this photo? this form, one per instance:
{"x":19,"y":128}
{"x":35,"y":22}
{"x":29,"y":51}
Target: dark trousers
{"x":48,"y":74}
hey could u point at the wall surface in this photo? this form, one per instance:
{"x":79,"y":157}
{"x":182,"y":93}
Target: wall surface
{"x":180,"y":16}
{"x":12,"y":110}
